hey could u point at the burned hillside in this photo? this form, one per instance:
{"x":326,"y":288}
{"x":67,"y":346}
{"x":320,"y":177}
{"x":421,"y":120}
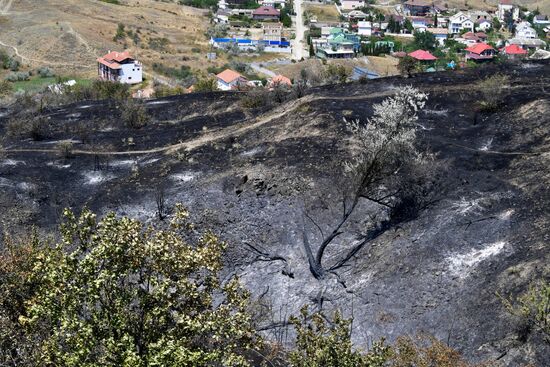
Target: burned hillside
{"x":261,"y":178}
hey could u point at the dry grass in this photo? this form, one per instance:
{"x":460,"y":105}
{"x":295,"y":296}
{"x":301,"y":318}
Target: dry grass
{"x":68,"y":35}
{"x":323,"y":13}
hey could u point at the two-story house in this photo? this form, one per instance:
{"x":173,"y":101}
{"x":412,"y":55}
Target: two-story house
{"x":505,"y":6}
{"x":120,"y":67}
{"x":459,"y":22}
{"x":229,"y":79}
{"x":524,"y":30}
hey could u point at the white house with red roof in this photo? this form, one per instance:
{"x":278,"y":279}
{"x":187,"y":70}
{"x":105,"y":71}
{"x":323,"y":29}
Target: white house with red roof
{"x":421,"y":55}
{"x":120,"y":67}
{"x":229,"y":79}
{"x":514,"y":52}
{"x":479,"y":52}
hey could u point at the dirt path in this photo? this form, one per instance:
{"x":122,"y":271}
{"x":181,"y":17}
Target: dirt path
{"x":39,"y":61}
{"x":247,"y":125}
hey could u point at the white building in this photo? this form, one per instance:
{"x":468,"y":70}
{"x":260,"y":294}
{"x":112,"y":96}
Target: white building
{"x":364,"y":28}
{"x":120,"y":67}
{"x":352,"y":4}
{"x":524,"y":30}
{"x":507,"y":6}
{"x":229,"y":79}
{"x":541,"y":20}
{"x":459,"y":22}
{"x":440,"y":34}
{"x":483,"y":25}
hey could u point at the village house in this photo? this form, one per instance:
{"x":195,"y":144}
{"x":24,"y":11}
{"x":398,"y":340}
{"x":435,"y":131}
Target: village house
{"x":476,"y":15}
{"x":417,"y":7}
{"x":470,"y":38}
{"x":505,"y":6}
{"x":541,"y":20}
{"x":527,"y":43}
{"x":272,"y":31}
{"x":524,"y":30}
{"x":356,"y":14}
{"x":480,"y":52}
{"x":266,"y":13}
{"x":483,"y":25}
{"x":440,"y":34}
{"x":229,"y":79}
{"x":352,"y":4}
{"x":423,"y":56}
{"x":364,"y":28}
{"x":273,"y":3}
{"x":421,"y":23}
{"x":338,"y":44}
{"x":459,"y":22}
{"x":514,"y":52}
{"x":120,"y":67}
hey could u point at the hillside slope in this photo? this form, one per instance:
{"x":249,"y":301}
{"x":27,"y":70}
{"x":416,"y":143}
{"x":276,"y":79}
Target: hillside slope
{"x":69,"y":35}
{"x":253,"y":175}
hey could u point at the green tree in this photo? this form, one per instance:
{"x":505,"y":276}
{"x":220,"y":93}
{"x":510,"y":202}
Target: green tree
{"x":425,"y":40}
{"x":321,"y":344}
{"x":114,"y":292}
{"x":406,"y":66}
{"x":206,"y":85}
{"x":408,"y":25}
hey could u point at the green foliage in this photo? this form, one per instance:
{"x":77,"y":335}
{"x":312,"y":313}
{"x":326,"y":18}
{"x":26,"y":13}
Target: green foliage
{"x":425,"y":40}
{"x":114,"y":292}
{"x":5,"y":88}
{"x":335,"y":73}
{"x":183,"y":72}
{"x":285,"y":17}
{"x":203,"y":4}
{"x":493,"y":91}
{"x":533,"y":307}
{"x":133,"y":114}
{"x":407,"y":65}
{"x":120,"y":33}
{"x":45,"y":72}
{"x":408,"y":25}
{"x":206,"y":85}
{"x":320,"y":343}
{"x":424,"y":350}
{"x":159,"y":44}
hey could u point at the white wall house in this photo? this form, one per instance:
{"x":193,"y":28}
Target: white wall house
{"x":440,"y":34}
{"x":505,"y":6}
{"x":483,"y":25}
{"x":120,"y":67}
{"x":229,"y":79}
{"x":460,"y":22}
{"x":364,"y":28}
{"x":352,"y":4}
{"x":524,"y":30}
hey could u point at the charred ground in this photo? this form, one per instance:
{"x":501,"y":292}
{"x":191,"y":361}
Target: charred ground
{"x":251,"y":174}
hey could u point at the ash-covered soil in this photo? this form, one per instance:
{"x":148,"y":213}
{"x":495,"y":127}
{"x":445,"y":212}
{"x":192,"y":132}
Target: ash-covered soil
{"x":253,"y":175}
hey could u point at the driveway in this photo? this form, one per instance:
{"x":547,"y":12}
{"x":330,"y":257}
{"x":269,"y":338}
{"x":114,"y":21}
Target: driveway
{"x":299,"y":42}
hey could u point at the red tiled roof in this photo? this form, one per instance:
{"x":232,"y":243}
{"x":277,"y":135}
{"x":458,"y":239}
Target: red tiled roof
{"x":266,"y":10}
{"x":110,"y":64}
{"x":479,"y":48}
{"x":481,"y":35}
{"x":514,"y":50}
{"x":470,"y":36}
{"x":229,"y":76}
{"x":506,"y":2}
{"x":117,"y":56}
{"x":281,"y":79}
{"x":422,"y":55}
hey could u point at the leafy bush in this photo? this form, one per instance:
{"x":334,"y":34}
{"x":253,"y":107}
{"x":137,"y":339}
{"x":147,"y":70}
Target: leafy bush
{"x":45,"y":72}
{"x":533,"y":307}
{"x":182,"y":73}
{"x":406,"y":66}
{"x":206,"y":85}
{"x":5,"y":88}
{"x":159,"y":44}
{"x":322,"y":343}
{"x":493,"y":91}
{"x":18,"y":76}
{"x":134,"y":114}
{"x":114,"y":292}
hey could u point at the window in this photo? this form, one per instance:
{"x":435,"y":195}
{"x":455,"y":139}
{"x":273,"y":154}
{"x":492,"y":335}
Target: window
{"x":129,"y":77}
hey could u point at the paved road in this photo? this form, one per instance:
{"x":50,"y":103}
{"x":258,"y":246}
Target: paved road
{"x":262,"y":70}
{"x":299,"y":42}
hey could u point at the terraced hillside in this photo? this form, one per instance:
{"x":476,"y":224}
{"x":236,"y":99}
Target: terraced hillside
{"x":254,"y":176}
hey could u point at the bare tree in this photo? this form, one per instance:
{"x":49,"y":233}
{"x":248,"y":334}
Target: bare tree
{"x":386,"y":168}
{"x":160,"y":200}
